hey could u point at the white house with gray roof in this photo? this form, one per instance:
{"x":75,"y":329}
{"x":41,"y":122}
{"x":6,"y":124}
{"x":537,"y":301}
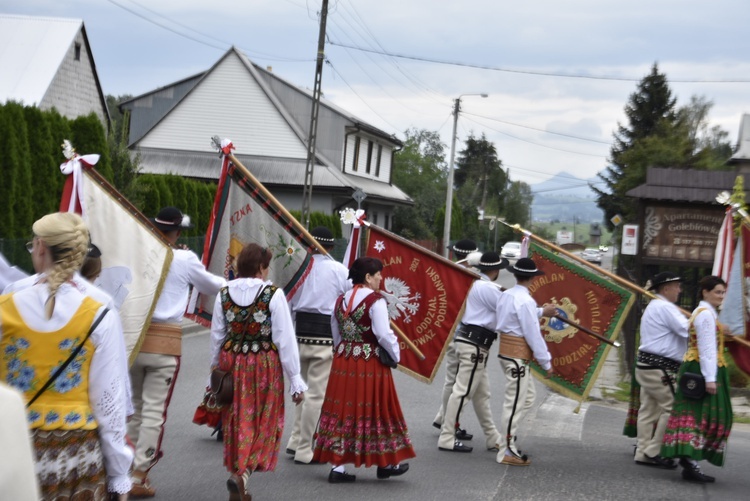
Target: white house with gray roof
{"x":267,"y":119}
{"x":47,"y":62}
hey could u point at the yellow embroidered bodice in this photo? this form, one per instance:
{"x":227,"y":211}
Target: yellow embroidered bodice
{"x":29,"y":358}
{"x":692,"y":352}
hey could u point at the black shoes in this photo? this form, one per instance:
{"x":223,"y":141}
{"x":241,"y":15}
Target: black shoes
{"x":457,"y":447}
{"x":461,"y":434}
{"x":336,"y":477}
{"x":392,"y":472}
{"x":291,"y":452}
{"x":692,"y":472}
{"x":658,"y":462}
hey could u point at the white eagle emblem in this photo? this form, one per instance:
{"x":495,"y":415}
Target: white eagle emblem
{"x":397,"y":295}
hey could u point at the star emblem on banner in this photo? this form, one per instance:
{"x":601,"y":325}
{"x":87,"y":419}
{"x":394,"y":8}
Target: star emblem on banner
{"x":379,"y":245}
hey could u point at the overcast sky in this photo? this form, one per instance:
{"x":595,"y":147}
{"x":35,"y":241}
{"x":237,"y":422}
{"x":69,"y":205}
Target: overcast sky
{"x":692,"y":41}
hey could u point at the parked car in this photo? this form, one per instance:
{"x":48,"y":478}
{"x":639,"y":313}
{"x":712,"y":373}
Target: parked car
{"x":511,"y":250}
{"x":592,"y":255}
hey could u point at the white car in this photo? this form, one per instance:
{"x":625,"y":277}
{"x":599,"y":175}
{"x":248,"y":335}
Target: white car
{"x":511,"y":250}
{"x":592,"y":255}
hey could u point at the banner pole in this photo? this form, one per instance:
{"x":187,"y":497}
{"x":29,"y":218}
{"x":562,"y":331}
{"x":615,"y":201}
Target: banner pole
{"x":591,"y":333}
{"x":616,"y":278}
{"x":282,"y":209}
{"x":307,"y":234}
{"x":395,"y":328}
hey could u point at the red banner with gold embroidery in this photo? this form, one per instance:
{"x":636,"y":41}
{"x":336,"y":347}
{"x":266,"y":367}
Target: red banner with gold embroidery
{"x":587,"y":299}
{"x":426,"y":295}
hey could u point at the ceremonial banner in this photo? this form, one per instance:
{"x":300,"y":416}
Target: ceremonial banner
{"x":724,"y":246}
{"x":135,"y":258}
{"x":735,"y":311}
{"x":426,"y":295}
{"x":245,"y":212}
{"x":587,"y":299}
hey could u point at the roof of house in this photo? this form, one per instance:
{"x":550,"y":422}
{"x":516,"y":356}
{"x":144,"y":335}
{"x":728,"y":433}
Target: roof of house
{"x":273,"y":172}
{"x":272,"y":82}
{"x":684,"y":185}
{"x":743,"y":142}
{"x":31,"y":51}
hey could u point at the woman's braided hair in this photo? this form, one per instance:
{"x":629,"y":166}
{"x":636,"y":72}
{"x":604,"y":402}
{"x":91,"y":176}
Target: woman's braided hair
{"x":67,"y":237}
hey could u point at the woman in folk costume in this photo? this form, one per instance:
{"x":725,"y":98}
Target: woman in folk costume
{"x":699,"y":429}
{"x":361,"y":420}
{"x":252,"y":335}
{"x":78,"y":421}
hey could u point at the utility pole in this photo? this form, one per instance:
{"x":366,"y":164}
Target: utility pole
{"x":313,"y":132}
{"x":449,"y":194}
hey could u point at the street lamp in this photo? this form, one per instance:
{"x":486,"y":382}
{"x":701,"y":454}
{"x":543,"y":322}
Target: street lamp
{"x":449,"y":194}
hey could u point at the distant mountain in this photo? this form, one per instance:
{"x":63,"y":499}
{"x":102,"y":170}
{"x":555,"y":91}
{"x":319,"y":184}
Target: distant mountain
{"x":563,"y":197}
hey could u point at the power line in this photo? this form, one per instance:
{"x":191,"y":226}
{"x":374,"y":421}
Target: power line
{"x":160,"y":25}
{"x":535,"y":143}
{"x":357,"y":94}
{"x":540,"y":130}
{"x":523,"y":72}
{"x":226,"y":45}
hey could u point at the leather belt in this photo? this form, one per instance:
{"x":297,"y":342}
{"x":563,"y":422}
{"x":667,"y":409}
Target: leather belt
{"x":313,"y":325}
{"x":658,"y":361}
{"x":163,"y":339}
{"x":476,"y":335}
{"x":514,"y":347}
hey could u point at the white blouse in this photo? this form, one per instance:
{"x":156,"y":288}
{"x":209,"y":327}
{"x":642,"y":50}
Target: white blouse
{"x":243,"y":291}
{"x":381,"y":324}
{"x":107,"y":374}
{"x":705,"y":332}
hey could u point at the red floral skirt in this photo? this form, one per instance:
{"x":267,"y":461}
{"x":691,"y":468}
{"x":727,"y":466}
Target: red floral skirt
{"x":361,"y":420}
{"x":253,"y":424}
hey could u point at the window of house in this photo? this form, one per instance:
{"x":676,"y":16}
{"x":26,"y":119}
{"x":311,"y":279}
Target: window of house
{"x":356,"y":154}
{"x":78,"y":52}
{"x":369,"y":156}
{"x":377,"y":160}
{"x":375,"y":218}
{"x":385,"y":223}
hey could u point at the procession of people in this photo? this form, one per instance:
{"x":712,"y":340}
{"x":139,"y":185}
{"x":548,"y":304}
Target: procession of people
{"x":332,"y":347}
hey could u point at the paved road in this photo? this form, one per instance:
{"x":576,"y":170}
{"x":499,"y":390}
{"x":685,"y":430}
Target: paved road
{"x":574,"y":456}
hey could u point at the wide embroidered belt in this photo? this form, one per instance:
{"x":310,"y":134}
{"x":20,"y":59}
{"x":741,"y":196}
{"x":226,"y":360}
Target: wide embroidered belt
{"x":348,"y":349}
{"x":313,"y":328}
{"x":514,"y":347}
{"x":476,"y":335}
{"x":164,"y":339}
{"x":658,"y":361}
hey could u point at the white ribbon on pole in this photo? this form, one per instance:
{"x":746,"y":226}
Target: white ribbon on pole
{"x":74,"y":167}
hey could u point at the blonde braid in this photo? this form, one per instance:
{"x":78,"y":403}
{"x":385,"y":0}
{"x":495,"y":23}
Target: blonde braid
{"x":66,"y":236}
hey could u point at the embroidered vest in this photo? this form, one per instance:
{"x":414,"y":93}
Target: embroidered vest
{"x":31,"y":357}
{"x":248,"y":327}
{"x":692,"y":352}
{"x":357,"y":338}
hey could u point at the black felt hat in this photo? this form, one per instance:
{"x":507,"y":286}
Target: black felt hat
{"x":525,"y":267}
{"x":323,"y":235}
{"x":663,"y":278}
{"x":492,"y":261}
{"x":171,"y":218}
{"x":465,"y":247}
{"x":93,"y":251}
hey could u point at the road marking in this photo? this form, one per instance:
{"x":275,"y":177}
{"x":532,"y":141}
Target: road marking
{"x":556,"y":418}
